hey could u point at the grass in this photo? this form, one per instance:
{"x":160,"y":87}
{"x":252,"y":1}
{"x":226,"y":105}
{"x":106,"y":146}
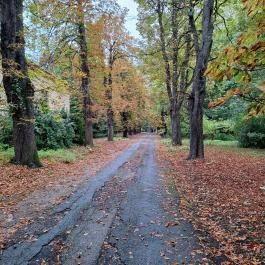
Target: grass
{"x":119,"y":138}
{"x":185,"y":142}
{"x":6,"y":155}
{"x":232,"y":145}
{"x":61,"y":155}
{"x":221,"y":143}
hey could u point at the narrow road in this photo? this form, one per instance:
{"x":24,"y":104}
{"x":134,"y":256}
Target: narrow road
{"x":124,"y":215}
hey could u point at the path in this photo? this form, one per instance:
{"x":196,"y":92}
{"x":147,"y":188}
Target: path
{"x":121,"y":216}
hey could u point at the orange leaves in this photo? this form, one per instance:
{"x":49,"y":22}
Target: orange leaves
{"x":252,"y":5}
{"x":228,"y":50}
{"x":223,"y":100}
{"x":227,"y":201}
{"x":238,"y":62}
{"x":19,"y":183}
{"x":259,"y":45}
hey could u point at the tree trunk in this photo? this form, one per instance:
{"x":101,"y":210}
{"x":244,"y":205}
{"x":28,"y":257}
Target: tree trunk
{"x":110,"y":115}
{"x":110,"y":124}
{"x":125,"y":133}
{"x":163,"y":120}
{"x":176,"y":127}
{"x":85,"y":80}
{"x":124,"y":120}
{"x":199,"y":82}
{"x":18,"y":87}
{"x":175,"y":106}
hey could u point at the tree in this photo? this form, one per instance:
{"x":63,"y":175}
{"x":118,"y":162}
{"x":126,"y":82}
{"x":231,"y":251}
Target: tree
{"x":18,"y":87}
{"x":116,"y":43}
{"x":196,"y":98}
{"x":174,"y":44}
{"x":65,"y":22}
{"x":242,"y":63}
{"x":85,"y":79}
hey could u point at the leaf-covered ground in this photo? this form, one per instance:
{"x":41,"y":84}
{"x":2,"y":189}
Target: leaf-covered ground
{"x":224,"y":198}
{"x":50,"y":185}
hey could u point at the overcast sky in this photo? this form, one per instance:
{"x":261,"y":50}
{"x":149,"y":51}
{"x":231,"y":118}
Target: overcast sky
{"x":131,"y":19}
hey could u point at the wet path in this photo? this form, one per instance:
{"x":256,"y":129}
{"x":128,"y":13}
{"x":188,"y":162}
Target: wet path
{"x":144,"y":232}
{"x":121,"y":216}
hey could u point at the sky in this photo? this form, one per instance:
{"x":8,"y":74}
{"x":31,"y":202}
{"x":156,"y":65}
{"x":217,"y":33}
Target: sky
{"x":131,"y":19}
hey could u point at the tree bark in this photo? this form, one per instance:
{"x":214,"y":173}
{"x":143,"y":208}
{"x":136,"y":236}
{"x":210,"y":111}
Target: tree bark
{"x":163,"y":120}
{"x":199,"y":81}
{"x":18,"y":87}
{"x":85,"y":80}
{"x":125,"y":133}
{"x":110,"y":114}
{"x":175,"y":106}
{"x":171,"y":80}
{"x":176,"y":126}
{"x":124,"y":120}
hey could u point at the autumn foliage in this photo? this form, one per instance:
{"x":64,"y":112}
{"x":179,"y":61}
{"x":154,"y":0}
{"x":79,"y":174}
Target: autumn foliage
{"x":223,"y":197}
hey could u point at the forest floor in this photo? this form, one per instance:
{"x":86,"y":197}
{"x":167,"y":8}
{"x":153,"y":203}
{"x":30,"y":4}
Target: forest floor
{"x":135,"y":202}
{"x":224,"y":198}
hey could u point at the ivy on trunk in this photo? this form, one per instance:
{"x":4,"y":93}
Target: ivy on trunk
{"x":18,"y":87}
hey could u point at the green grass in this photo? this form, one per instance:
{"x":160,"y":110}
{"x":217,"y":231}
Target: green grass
{"x":119,"y":138}
{"x":61,"y":155}
{"x":185,"y":142}
{"x":221,"y":143}
{"x":6,"y":155}
{"x":231,"y":145}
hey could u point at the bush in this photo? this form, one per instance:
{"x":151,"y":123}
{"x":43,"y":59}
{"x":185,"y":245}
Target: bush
{"x":252,"y":133}
{"x":218,"y":130}
{"x":6,"y":131}
{"x":77,"y":117}
{"x":53,"y":131}
{"x":100,"y":129}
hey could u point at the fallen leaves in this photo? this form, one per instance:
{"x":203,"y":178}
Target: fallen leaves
{"x":222,"y":195}
{"x":173,"y":223}
{"x":17,"y":183}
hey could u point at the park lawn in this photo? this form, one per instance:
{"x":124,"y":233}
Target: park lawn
{"x":224,"y":198}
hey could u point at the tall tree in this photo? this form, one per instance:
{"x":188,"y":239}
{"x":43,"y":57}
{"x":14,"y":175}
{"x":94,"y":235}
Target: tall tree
{"x":116,"y":45}
{"x":85,"y":79}
{"x":175,"y":47}
{"x":63,"y":34}
{"x":18,"y":87}
{"x":196,"y":98}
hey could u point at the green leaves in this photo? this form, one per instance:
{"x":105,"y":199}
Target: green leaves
{"x":243,"y":62}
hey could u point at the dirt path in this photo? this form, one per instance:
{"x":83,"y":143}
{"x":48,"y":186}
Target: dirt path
{"x":123,"y":215}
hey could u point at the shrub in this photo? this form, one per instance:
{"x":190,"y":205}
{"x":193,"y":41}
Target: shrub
{"x":53,"y":131}
{"x":6,"y":131}
{"x":218,"y":130}
{"x":252,"y":133}
{"x":77,"y":117}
